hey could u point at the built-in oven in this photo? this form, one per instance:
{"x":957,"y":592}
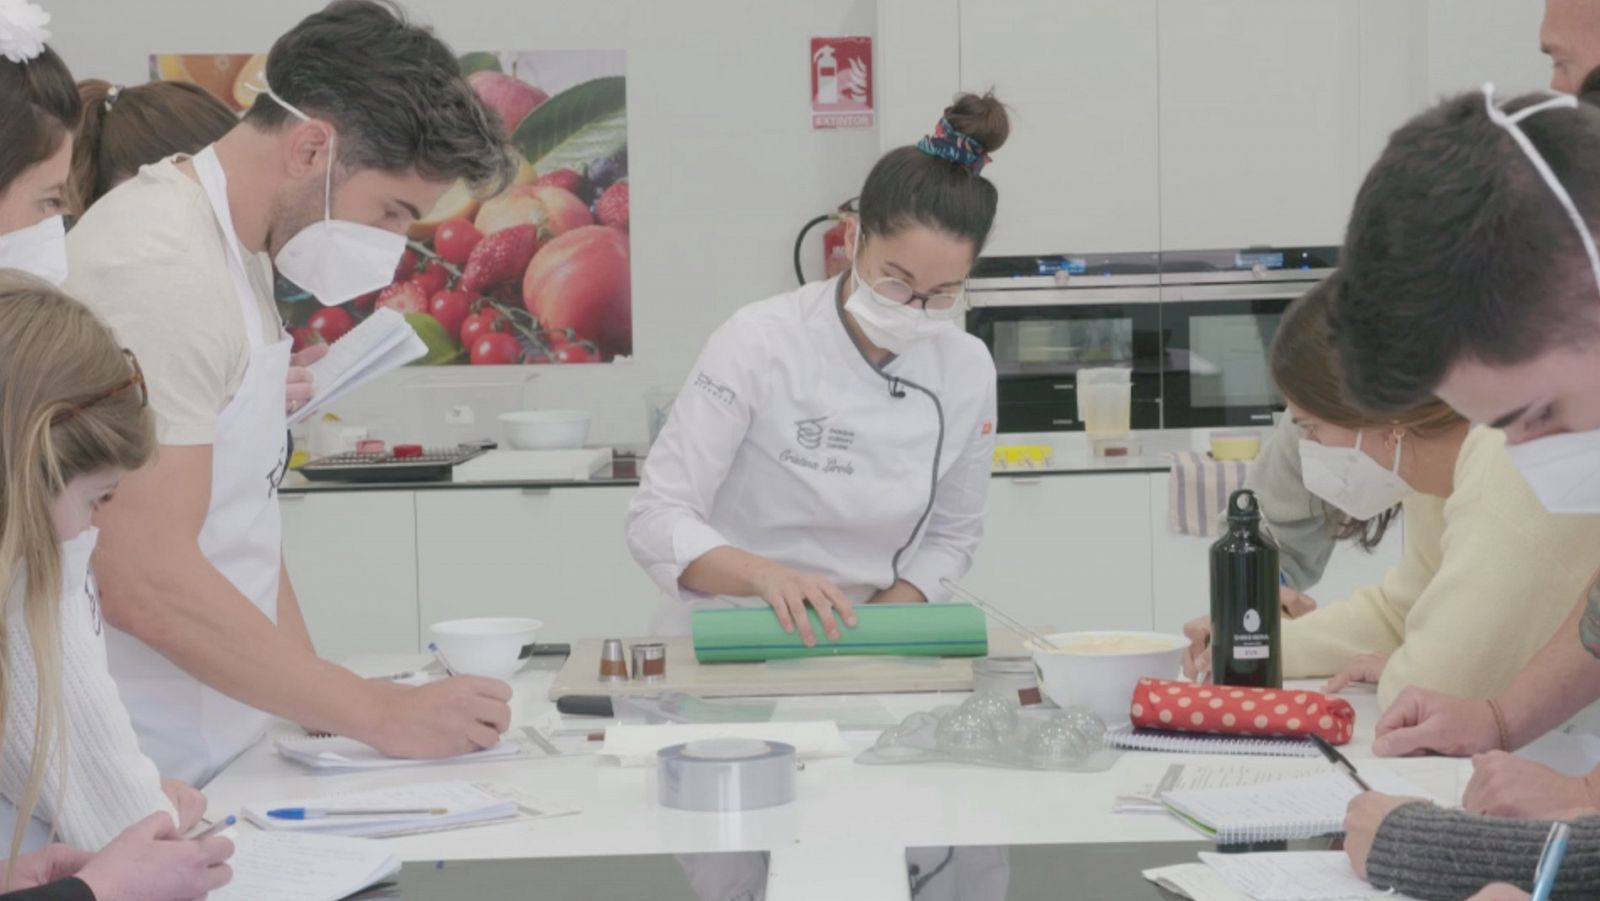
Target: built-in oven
{"x":1194,"y":328}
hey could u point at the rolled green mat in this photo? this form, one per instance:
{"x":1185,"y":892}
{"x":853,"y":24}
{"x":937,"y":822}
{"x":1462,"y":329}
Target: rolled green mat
{"x":904,"y":630}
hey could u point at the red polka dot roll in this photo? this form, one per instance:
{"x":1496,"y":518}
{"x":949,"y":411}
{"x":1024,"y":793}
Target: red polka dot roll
{"x":1261,"y":712}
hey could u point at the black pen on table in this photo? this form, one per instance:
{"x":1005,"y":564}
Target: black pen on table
{"x":1339,"y":761}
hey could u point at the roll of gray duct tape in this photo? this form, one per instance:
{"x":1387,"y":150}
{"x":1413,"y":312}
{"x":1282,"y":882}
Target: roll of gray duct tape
{"x":726,"y":774}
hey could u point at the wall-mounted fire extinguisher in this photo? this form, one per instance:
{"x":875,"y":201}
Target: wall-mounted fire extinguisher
{"x":835,"y":255}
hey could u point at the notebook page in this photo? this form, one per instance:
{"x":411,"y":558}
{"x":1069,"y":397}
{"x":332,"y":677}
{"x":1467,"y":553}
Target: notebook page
{"x":1299,"y":808}
{"x":339,"y":753}
{"x":1194,"y":881}
{"x":1148,"y":778}
{"x":1293,"y":876}
{"x":382,"y":342}
{"x":278,"y":866}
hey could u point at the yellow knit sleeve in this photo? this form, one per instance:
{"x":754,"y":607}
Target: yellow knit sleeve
{"x":1510,"y":575}
{"x":1374,"y":618}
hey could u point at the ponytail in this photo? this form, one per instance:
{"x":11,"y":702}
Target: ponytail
{"x":122,"y":129}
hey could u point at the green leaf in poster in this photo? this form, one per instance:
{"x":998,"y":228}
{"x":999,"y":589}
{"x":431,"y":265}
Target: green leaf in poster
{"x":442,"y":348}
{"x":582,"y":123}
{"x":479,"y":62}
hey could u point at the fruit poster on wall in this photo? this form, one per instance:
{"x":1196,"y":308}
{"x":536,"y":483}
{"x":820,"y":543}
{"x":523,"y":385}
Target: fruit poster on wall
{"x":537,"y":274}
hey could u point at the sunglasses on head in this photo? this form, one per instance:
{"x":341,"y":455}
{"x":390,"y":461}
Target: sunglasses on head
{"x":135,"y":380}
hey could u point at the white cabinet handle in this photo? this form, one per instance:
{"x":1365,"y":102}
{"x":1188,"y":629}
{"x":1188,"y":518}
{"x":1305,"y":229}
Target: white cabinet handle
{"x":297,"y":496}
{"x":1026,"y":480}
{"x":535,"y":492}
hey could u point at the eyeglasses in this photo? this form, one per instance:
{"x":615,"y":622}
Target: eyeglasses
{"x":136,"y":380}
{"x":893,"y":289}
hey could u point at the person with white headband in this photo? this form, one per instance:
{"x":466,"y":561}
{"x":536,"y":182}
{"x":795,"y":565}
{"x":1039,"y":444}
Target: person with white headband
{"x":1471,"y":273}
{"x":365,"y":122}
{"x":833,"y":445}
{"x":1488,"y":575}
{"x":39,"y":106}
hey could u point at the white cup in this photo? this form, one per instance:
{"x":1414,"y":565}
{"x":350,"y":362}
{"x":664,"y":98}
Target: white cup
{"x":485,"y":646}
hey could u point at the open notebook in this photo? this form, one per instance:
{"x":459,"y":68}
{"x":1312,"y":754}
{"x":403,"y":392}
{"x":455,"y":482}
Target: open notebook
{"x":1270,"y":876}
{"x":1278,"y":811}
{"x":382,"y":342}
{"x":292,"y":866}
{"x":337,"y":753}
{"x":1131,"y":739}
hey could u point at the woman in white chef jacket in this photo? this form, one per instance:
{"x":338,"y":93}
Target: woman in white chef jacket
{"x":833,"y":444}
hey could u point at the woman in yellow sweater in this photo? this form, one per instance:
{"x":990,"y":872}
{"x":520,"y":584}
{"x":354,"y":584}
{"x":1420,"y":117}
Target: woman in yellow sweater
{"x":1487,"y":575}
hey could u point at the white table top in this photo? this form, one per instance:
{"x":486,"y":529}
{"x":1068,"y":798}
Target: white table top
{"x":844,"y":837}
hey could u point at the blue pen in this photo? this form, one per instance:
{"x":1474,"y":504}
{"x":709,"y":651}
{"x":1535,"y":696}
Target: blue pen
{"x":218,"y":826}
{"x":1555,"y":848}
{"x":317,"y":813}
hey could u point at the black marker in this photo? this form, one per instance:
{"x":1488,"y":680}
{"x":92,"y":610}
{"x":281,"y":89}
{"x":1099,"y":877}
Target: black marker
{"x":1338,"y":760}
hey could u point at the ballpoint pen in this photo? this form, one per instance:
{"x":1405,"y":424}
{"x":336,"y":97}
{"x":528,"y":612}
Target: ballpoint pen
{"x":1339,"y":761}
{"x":217,"y":827}
{"x":317,"y":813}
{"x":1555,"y":848}
{"x":439,"y":656}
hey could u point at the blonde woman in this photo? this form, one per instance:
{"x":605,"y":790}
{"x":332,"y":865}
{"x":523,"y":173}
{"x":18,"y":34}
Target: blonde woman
{"x":73,"y":419}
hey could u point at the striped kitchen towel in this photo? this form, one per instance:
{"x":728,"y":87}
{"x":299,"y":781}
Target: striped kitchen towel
{"x":1197,"y":492}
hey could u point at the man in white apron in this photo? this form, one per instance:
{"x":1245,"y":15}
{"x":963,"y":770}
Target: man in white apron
{"x":324,"y":175}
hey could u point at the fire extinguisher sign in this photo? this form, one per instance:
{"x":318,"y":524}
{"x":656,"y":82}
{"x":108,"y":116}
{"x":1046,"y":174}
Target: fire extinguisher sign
{"x":841,"y":82}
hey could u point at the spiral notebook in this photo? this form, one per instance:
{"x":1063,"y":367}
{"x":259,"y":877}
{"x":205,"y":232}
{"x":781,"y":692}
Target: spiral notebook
{"x":1278,"y":811}
{"x":1131,"y":739}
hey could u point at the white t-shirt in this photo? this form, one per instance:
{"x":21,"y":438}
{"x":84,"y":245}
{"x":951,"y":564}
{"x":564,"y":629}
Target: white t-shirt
{"x":149,"y":258}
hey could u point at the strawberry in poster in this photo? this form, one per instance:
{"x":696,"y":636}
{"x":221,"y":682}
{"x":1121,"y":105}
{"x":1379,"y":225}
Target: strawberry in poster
{"x":537,"y":274}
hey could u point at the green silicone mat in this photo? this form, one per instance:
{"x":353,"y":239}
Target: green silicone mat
{"x":901,"y":630}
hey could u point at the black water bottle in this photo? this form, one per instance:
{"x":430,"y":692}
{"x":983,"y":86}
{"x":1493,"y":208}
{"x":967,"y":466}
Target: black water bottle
{"x":1246,"y":642}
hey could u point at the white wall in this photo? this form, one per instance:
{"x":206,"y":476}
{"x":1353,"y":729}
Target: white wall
{"x":1473,"y":41}
{"x":725,"y":167}
{"x":723,"y":162}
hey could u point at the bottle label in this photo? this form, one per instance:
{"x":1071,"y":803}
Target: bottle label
{"x":1251,"y":652}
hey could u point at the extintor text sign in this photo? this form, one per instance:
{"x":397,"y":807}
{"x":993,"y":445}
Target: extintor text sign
{"x":841,"y":82}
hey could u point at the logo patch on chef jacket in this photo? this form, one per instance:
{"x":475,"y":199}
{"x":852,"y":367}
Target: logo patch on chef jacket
{"x":719,"y":392}
{"x":988,"y":427}
{"x":808,"y":433}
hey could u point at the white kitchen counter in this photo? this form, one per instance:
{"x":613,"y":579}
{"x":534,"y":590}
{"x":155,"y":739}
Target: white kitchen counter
{"x":844,"y":838}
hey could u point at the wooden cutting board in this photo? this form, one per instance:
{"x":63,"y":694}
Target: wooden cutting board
{"x":808,"y":676}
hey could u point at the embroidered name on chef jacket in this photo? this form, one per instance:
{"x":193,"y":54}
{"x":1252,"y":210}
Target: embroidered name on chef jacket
{"x":816,"y":434}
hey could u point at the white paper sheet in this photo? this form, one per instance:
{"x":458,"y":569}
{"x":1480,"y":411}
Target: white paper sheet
{"x":287,"y":866}
{"x":1293,"y":876}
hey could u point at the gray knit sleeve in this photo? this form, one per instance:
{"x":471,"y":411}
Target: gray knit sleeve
{"x":1435,"y":854}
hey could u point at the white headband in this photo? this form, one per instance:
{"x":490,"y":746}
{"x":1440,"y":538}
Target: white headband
{"x":1510,"y":123}
{"x":22,"y":30}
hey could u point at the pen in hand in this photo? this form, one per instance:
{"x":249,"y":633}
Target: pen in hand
{"x":218,"y":826}
{"x":1339,"y":761}
{"x":439,"y":656}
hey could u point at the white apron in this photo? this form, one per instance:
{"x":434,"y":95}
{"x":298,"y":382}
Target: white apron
{"x":190,"y":730}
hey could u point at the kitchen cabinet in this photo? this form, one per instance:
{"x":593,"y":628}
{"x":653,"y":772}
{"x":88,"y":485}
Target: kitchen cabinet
{"x":1068,"y":551}
{"x":352,"y":557}
{"x":1080,"y":170}
{"x":1260,"y":138}
{"x":555,"y":554}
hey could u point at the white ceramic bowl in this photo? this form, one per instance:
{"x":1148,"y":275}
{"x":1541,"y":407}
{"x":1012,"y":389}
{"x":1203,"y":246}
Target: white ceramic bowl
{"x":1103,"y":679}
{"x":546,"y":429}
{"x":484,"y":646}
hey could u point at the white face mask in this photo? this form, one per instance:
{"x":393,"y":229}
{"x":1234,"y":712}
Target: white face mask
{"x":895,"y":327}
{"x":338,"y":261}
{"x":1350,"y":480}
{"x":1562,"y":470}
{"x":39,"y":249}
